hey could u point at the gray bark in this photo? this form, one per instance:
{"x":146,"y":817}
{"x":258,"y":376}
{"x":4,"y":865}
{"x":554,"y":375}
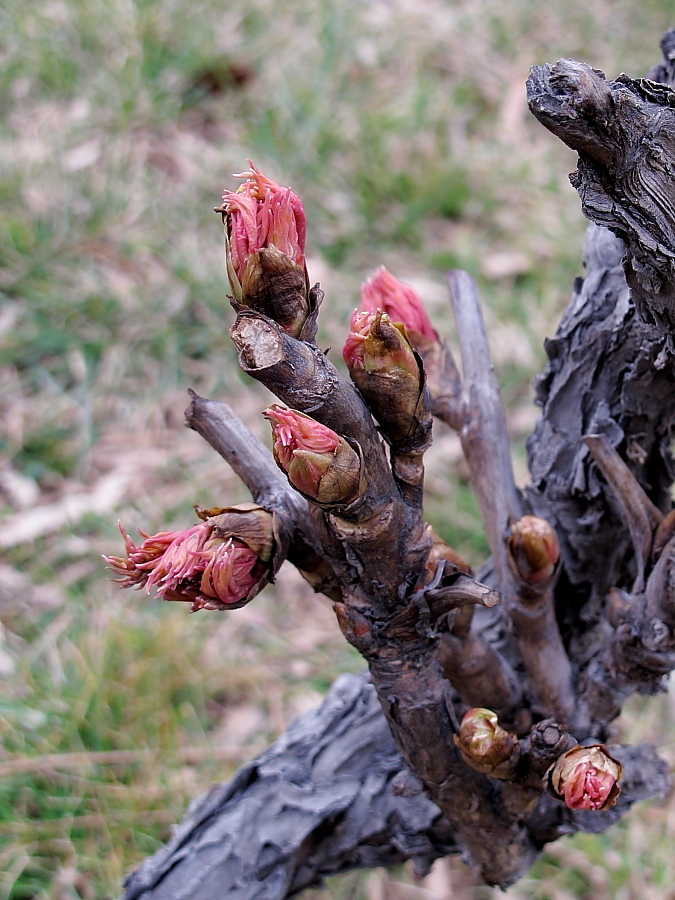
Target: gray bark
{"x":319,"y":802}
{"x":608,"y":373}
{"x":333,"y":794}
{"x":624,"y":132}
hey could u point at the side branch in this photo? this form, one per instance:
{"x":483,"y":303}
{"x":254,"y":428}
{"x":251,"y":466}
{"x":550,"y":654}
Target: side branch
{"x":219,"y":425}
{"x":251,"y":460}
{"x":638,"y":511}
{"x":483,"y":433}
{"x":415,"y":697}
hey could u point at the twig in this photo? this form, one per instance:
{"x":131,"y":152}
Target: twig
{"x":219,"y":425}
{"x":464,"y":591}
{"x":486,"y":445}
{"x":444,"y":383}
{"x":251,"y":460}
{"x":548,"y":666}
{"x":484,"y":434}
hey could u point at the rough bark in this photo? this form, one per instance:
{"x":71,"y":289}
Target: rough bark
{"x":318,"y":802}
{"x":608,"y":373}
{"x":624,"y":132}
{"x":335,"y":792}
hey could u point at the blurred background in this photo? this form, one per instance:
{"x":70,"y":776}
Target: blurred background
{"x":403,"y":126}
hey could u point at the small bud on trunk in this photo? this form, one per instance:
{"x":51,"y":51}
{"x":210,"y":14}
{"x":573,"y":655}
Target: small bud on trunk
{"x":318,"y":462}
{"x":485,"y":745}
{"x":548,"y":739}
{"x":586,"y":778}
{"x":533,"y":551}
{"x":384,"y":367}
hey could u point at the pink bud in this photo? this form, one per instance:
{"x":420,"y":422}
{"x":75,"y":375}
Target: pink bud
{"x":260,"y":214}
{"x":294,"y":431}
{"x":317,"y":461}
{"x":194,"y":565}
{"x":587,"y":778}
{"x":401,"y":303}
{"x":231,"y":570}
{"x":354,"y":349}
{"x":383,"y":366}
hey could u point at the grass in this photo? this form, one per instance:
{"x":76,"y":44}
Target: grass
{"x":404,"y":128}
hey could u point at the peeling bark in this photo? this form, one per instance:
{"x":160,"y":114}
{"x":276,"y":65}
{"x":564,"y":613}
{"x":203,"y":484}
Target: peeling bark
{"x":624,"y":132}
{"x":608,"y":373}
{"x":333,"y":794}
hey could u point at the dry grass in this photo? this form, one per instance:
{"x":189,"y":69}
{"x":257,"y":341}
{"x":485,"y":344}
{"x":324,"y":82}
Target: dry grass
{"x":403,"y":126}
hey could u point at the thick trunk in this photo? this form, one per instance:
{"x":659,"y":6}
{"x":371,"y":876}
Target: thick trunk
{"x":332,"y":794}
